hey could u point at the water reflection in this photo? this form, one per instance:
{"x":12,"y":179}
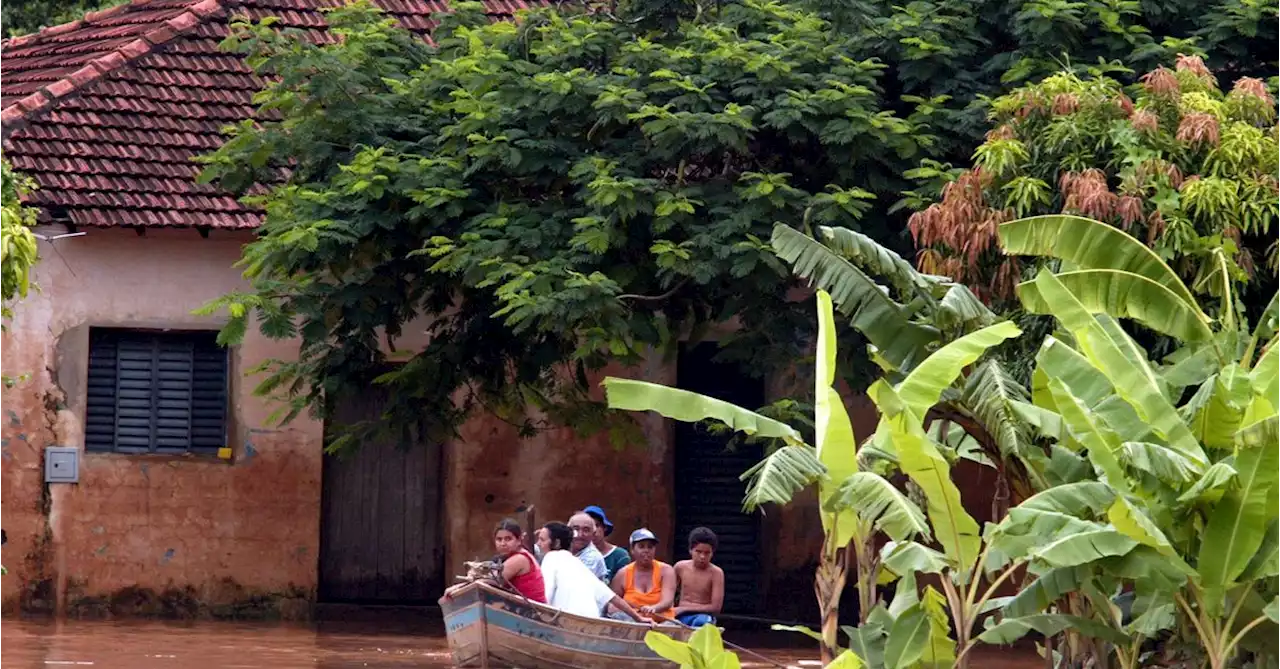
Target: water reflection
{"x":39,"y":644}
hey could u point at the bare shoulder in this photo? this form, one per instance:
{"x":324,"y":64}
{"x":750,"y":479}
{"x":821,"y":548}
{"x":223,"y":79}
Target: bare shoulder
{"x":683,"y":565}
{"x":716,"y":571}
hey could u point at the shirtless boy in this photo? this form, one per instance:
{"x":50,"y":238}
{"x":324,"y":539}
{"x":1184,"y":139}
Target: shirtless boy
{"x":701,"y":583}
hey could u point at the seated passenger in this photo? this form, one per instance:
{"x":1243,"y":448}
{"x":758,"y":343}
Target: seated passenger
{"x":570,"y":585}
{"x":646,"y":584}
{"x":584,"y":532}
{"x":615,"y":557}
{"x":701,"y":583}
{"x":519,"y":568}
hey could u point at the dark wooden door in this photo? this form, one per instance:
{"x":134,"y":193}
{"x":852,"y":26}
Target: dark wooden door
{"x":708,"y":492}
{"x":382,"y":527}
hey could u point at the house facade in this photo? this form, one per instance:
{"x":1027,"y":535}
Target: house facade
{"x":174,"y":493}
{"x":185,"y":499}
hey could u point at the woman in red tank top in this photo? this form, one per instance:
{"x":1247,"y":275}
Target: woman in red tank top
{"x":519,"y":567}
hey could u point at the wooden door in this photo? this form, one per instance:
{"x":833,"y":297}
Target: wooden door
{"x":382,"y":526}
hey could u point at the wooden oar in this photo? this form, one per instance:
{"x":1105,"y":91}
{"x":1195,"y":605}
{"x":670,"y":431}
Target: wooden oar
{"x":734,"y":646}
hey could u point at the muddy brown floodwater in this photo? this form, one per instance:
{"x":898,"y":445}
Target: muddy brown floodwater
{"x":73,"y":644}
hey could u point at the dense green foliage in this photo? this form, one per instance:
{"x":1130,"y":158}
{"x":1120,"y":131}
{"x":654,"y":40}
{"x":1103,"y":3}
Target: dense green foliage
{"x":550,"y":195}
{"x":20,"y":18}
{"x":968,"y":51}
{"x":18,"y":252}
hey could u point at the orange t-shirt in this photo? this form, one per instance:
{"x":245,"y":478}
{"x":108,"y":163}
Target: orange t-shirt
{"x":635,"y":597}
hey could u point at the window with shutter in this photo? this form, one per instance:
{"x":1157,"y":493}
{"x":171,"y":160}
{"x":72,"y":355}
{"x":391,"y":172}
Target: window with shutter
{"x":155,"y":392}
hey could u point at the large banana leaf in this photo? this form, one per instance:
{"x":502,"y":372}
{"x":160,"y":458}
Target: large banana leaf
{"x":1260,"y":434}
{"x":919,"y":458}
{"x":690,"y":407}
{"x":1239,"y":522}
{"x":1049,"y":624}
{"x":1133,"y":522}
{"x":1089,"y":244}
{"x":924,"y":385}
{"x":940,"y":650}
{"x":989,"y":394}
{"x":908,"y":638}
{"x":1058,"y":360}
{"x":882,"y":321}
{"x":1160,"y":461}
{"x":1266,"y":374}
{"x":777,"y":478}
{"x":1131,"y":375}
{"x":1089,"y":498}
{"x":1209,"y":487}
{"x":1219,"y":411}
{"x":876,"y":501}
{"x":1077,"y":547}
{"x":1048,"y":588}
{"x":836,"y":444}
{"x":912,"y":558}
{"x":1266,"y":563}
{"x":865,"y":253}
{"x":1127,"y":295}
{"x":1103,"y":445}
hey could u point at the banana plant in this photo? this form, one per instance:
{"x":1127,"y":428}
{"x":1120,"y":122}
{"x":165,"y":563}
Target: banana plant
{"x":904,"y":315}
{"x":855,"y":503}
{"x":704,"y":649}
{"x":1182,"y":509}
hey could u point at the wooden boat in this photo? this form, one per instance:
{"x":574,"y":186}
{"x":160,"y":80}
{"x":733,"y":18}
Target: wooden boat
{"x":490,"y":628}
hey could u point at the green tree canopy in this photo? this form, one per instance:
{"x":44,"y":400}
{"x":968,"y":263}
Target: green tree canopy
{"x":550,"y":194}
{"x":970,"y":51}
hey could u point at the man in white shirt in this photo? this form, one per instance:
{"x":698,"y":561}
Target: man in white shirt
{"x":570,"y":585}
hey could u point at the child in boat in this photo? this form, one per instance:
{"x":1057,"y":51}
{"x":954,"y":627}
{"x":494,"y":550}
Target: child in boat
{"x":646,"y":584}
{"x":701,"y":583}
{"x":519,"y":568}
{"x":570,"y":585}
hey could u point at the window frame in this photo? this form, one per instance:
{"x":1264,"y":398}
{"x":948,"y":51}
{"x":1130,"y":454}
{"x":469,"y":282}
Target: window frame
{"x":185,"y":360}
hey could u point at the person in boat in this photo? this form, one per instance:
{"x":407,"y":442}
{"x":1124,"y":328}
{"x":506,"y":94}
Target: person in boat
{"x":584,"y":533}
{"x":615,"y":557}
{"x":519,"y":568}
{"x":646,"y":584}
{"x":570,"y":585}
{"x":701,"y":584}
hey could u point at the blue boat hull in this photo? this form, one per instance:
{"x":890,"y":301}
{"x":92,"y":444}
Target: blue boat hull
{"x":488,"y":627}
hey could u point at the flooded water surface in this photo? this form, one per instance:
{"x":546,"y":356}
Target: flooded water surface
{"x":30,"y":644}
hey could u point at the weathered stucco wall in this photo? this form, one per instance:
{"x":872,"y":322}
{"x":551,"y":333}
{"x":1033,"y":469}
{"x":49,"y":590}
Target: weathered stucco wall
{"x":491,"y":471}
{"x":148,"y":534}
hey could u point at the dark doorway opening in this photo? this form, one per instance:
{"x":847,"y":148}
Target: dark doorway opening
{"x":708,"y":492}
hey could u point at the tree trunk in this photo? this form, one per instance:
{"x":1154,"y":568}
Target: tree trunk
{"x":828,"y":585}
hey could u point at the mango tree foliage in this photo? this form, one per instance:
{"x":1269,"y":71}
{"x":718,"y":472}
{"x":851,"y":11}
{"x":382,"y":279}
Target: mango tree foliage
{"x":1183,"y":160}
{"x":545,"y":195}
{"x":956,"y":52}
{"x":1181,"y":510}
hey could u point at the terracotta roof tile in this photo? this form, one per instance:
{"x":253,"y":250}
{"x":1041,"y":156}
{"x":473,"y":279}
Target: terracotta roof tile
{"x":106,"y":113}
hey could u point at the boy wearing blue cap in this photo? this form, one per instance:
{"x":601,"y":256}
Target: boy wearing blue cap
{"x":615,"y":557}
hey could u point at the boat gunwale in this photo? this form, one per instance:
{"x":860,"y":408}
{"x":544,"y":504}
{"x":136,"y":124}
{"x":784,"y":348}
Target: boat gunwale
{"x":680,"y":633}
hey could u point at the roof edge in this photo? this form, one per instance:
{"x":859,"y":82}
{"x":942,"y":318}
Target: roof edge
{"x":27,"y":109}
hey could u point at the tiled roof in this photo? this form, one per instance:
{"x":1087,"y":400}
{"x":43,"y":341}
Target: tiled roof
{"x":106,"y":113}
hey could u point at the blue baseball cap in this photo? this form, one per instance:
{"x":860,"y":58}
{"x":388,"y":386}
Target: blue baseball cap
{"x":598,"y":513}
{"x":642,"y":534}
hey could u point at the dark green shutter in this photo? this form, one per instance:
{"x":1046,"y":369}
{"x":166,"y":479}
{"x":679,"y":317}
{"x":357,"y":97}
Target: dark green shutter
{"x":152,"y":392}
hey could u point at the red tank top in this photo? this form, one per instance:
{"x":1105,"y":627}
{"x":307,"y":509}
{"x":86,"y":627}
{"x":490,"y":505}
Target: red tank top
{"x":530,"y":583}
